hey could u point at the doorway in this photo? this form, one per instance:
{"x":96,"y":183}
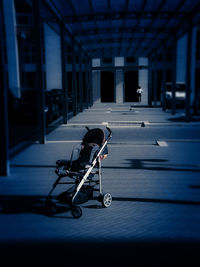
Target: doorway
{"x":107,"y":86}
{"x":131,"y":84}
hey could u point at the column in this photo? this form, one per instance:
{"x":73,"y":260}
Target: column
{"x":193,"y":67}
{"x":188,"y":73}
{"x":86,"y":82}
{"x":173,"y":104}
{"x":119,"y":85}
{"x":143,"y":78}
{"x":64,"y":75}
{"x":4,"y":146}
{"x":90,"y":83}
{"x":39,"y":83}
{"x":96,"y":85}
{"x":150,"y":82}
{"x":80,"y":80}
{"x":164,"y":76}
{"x":74,"y":84}
{"x":155,"y":86}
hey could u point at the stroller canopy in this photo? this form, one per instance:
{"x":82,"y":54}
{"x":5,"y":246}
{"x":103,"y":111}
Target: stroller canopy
{"x":95,"y":135}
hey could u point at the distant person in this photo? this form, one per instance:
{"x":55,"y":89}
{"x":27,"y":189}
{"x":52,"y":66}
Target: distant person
{"x":139,"y":93}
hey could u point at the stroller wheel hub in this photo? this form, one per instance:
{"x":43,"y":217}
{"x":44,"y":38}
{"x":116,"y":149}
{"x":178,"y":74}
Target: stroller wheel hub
{"x":106,"y":200}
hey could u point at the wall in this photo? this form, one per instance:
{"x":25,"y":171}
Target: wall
{"x":12,"y":47}
{"x":119,"y":65}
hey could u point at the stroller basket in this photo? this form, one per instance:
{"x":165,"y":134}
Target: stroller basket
{"x":85,"y":193}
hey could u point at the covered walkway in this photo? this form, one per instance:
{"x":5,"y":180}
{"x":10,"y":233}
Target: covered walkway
{"x":152,"y":172}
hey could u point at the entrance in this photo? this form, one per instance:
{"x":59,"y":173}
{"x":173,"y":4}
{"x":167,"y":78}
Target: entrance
{"x":107,"y":86}
{"x":131,"y":84}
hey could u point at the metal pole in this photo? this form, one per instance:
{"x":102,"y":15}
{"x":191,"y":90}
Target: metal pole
{"x":188,"y":75}
{"x":173,"y":100}
{"x":86,"y":81}
{"x":64,"y":75}
{"x":155,"y":85}
{"x":74,"y":85}
{"x":150,"y":82}
{"x":90,"y":83}
{"x":80,"y":80}
{"x":164,"y":76}
{"x":4,"y":141}
{"x":39,"y":72}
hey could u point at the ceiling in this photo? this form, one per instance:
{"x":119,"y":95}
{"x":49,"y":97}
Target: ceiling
{"x":128,"y":28}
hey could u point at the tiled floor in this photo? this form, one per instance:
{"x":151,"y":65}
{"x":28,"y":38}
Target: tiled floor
{"x":155,"y":214}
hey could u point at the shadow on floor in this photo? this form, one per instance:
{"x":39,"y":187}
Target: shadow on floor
{"x":155,"y":165}
{"x":183,"y":119}
{"x":144,"y":164}
{"x":13,"y":204}
{"x":17,"y":204}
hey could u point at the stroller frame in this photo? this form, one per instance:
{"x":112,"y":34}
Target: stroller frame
{"x":80,"y":178}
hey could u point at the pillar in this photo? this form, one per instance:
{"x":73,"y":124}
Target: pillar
{"x":143,"y":78}
{"x":96,"y":85}
{"x":119,"y":85}
{"x":81,"y":79}
{"x":86,"y":82}
{"x":74,"y":83}
{"x":39,"y":82}
{"x":150,"y":82}
{"x":64,"y":75}
{"x":4,"y":143}
{"x":188,"y":74}
{"x":174,"y":72}
{"x":164,"y":77}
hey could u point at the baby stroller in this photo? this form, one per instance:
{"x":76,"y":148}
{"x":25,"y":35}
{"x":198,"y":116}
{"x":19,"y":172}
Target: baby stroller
{"x":80,"y":174}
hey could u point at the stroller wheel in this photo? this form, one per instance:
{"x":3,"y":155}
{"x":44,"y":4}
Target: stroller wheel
{"x":106,"y":200}
{"x":76,"y":211}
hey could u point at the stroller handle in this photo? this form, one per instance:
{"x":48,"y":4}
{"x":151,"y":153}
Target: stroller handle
{"x":110,"y":132}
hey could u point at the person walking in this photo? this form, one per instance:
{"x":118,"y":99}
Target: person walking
{"x":139,"y":93}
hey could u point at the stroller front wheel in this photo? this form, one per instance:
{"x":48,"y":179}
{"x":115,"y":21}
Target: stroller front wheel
{"x":76,"y":212}
{"x":106,"y":200}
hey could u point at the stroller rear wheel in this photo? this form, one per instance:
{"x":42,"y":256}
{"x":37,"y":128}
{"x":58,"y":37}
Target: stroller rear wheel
{"x":76,"y":211}
{"x":106,"y":200}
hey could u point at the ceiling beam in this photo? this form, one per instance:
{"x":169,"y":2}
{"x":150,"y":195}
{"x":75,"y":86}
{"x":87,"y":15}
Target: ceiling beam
{"x":138,"y":19}
{"x":173,"y":14}
{"x":181,"y":29}
{"x":122,"y":15}
{"x":121,"y":30}
{"x":115,"y":40}
{"x":152,"y":21}
{"x":123,"y":23}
